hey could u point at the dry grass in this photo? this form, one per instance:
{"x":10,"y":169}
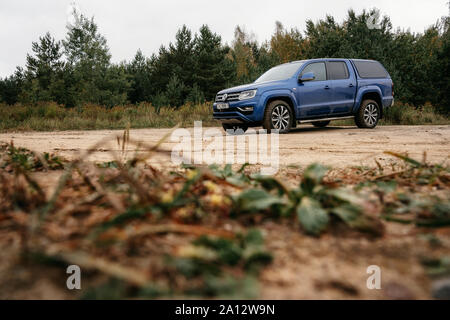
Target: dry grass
{"x":50,"y":117}
{"x":404,"y":114}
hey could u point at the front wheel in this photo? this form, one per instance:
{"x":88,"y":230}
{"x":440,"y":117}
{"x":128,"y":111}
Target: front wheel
{"x":234,"y":129}
{"x":368,"y":114}
{"x":278,"y":116}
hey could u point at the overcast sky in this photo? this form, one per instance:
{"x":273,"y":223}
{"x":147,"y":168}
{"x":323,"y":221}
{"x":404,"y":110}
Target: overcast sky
{"x":133,"y":24}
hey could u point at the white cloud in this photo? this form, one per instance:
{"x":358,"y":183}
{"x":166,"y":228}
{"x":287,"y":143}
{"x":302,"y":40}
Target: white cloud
{"x":132,"y":24}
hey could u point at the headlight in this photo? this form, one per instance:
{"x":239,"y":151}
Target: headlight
{"x":244,"y":95}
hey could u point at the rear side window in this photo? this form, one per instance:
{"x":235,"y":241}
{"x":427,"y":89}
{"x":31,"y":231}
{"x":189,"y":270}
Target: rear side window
{"x":370,"y":69}
{"x":337,"y":70}
{"x":319,"y":70}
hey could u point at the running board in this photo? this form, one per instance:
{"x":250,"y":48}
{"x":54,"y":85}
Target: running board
{"x":325,"y":119}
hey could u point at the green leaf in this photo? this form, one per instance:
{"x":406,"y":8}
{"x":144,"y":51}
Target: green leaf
{"x":270,"y":183}
{"x":353,"y":216}
{"x":312,"y":178}
{"x":343,"y":195}
{"x":313,"y":218}
{"x":254,"y":200}
{"x":315,"y":172}
{"x":348,"y":213}
{"x":254,"y":237}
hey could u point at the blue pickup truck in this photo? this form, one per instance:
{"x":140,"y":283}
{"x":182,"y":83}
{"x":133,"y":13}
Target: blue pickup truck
{"x":315,"y":91}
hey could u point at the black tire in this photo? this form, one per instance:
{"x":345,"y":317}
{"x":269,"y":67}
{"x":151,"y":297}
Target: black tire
{"x":321,"y":124}
{"x":278,"y":115}
{"x":368,"y":114}
{"x":234,"y":129}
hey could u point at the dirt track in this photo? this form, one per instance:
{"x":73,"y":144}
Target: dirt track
{"x":336,"y":146}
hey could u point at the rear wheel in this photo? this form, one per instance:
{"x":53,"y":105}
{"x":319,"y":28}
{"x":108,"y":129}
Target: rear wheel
{"x":368,"y":114}
{"x":320,"y":124}
{"x":278,"y":115}
{"x":234,"y":129}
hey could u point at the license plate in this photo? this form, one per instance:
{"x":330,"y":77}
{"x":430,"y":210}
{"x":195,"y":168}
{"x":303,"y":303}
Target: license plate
{"x":221,"y":106}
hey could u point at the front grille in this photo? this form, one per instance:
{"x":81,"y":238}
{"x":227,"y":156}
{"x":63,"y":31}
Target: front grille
{"x":227,"y":97}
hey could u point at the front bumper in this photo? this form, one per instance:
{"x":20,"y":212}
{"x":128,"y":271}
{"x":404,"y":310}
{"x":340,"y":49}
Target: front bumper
{"x":236,"y":113}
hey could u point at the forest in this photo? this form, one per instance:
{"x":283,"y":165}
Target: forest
{"x":78,"y":70}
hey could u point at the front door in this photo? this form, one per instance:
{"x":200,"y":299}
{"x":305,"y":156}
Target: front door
{"x":315,"y":96}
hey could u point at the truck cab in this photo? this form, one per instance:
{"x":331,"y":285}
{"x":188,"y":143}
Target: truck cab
{"x":316,"y":91}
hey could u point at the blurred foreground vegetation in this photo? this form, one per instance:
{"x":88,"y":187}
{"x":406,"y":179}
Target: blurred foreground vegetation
{"x":197,"y":231}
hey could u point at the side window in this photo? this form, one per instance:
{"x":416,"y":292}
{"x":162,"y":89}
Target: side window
{"x":319,"y":70}
{"x":337,"y":70}
{"x":370,"y":69}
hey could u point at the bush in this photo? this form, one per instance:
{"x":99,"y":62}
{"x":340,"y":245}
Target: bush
{"x":406,"y":114}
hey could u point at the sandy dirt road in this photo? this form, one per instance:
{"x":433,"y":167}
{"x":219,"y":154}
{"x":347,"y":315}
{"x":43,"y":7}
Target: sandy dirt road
{"x":336,"y":146}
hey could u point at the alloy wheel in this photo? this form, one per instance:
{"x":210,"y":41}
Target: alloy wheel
{"x":280,"y":117}
{"x":371,"y":114}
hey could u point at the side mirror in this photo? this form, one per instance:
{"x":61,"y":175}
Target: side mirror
{"x":309,"y":76}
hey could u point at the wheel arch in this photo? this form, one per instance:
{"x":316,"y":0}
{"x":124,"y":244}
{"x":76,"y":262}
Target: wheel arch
{"x":372,"y":94}
{"x":288,"y":100}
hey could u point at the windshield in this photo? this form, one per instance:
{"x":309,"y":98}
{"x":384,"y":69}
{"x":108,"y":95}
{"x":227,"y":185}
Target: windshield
{"x":281,"y":72}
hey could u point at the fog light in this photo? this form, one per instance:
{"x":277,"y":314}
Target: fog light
{"x":246,"y":109}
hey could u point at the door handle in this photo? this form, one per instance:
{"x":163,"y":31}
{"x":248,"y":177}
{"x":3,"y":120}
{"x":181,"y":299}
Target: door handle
{"x":327,"y":87}
{"x":351,"y":85}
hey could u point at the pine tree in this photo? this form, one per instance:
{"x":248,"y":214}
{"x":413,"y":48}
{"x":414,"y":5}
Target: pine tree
{"x":140,"y":73}
{"x":43,"y":70}
{"x":94,"y":79}
{"x":11,"y":87}
{"x":213,"y":70}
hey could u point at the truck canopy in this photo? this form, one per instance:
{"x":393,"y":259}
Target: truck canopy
{"x":370,"y":69}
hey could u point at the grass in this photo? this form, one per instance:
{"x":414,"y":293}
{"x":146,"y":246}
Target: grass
{"x":148,"y":233}
{"x":404,"y":114}
{"x":51,"y":117}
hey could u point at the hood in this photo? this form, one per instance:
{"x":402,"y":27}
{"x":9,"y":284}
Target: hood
{"x":251,"y":86}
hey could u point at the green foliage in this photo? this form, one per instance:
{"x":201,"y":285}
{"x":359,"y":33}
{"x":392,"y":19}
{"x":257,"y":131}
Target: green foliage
{"x":401,"y":207}
{"x":174,"y":91}
{"x":311,"y":215}
{"x":10,"y":88}
{"x":96,"y":80}
{"x":316,"y":201}
{"x":13,"y":158}
{"x":212,"y":70}
{"x":313,"y":203}
{"x":254,"y":200}
{"x":139,"y":71}
{"x":43,"y":72}
{"x":211,"y":259}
